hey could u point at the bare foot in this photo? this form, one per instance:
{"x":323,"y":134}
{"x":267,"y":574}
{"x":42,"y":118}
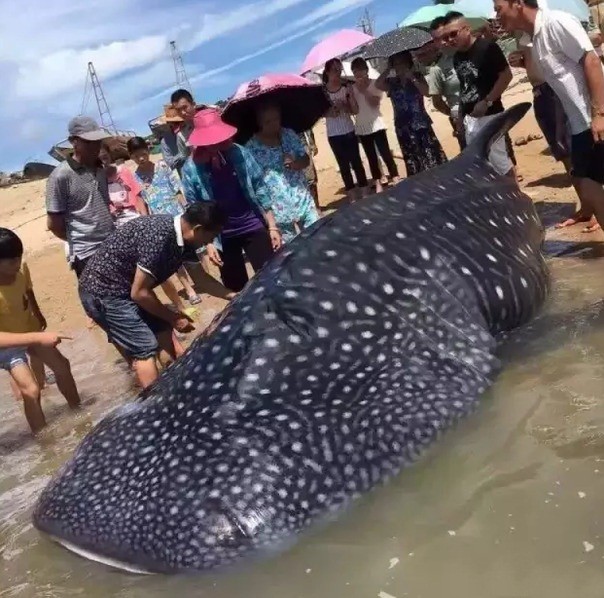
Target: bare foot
{"x":592,"y":227}
{"x":378,"y":187}
{"x":576,"y":219}
{"x":395,"y":180}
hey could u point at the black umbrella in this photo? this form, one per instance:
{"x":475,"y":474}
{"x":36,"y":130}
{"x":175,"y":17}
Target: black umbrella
{"x":398,"y":40}
{"x":302,"y":104}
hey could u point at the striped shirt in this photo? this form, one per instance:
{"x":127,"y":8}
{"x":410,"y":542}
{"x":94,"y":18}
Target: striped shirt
{"x":560,"y":44}
{"x":342,"y":124}
{"x":81,"y":195}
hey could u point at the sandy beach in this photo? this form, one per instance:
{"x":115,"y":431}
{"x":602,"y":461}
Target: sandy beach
{"x":22,"y":208}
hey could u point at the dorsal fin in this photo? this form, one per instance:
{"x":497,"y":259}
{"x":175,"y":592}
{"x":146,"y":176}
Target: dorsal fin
{"x":496,"y":129}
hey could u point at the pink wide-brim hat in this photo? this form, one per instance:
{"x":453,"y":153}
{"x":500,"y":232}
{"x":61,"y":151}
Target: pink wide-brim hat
{"x":210,"y":129}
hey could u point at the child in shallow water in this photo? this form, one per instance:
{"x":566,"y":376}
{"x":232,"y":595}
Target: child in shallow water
{"x":20,"y":314}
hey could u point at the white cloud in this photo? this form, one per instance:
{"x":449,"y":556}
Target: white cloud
{"x":318,"y":18}
{"x":64,"y":70}
{"x":219,"y":24}
{"x":45,"y":48}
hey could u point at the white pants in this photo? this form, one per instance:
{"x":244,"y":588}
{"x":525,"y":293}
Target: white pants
{"x":498,"y":156}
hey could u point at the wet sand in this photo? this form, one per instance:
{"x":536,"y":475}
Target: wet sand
{"x":506,"y":505}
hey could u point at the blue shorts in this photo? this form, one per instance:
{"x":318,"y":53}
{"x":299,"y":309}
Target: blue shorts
{"x":11,"y":357}
{"x":127,"y":325}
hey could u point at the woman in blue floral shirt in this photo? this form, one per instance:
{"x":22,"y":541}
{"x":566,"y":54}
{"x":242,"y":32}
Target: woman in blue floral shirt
{"x":283,"y":159}
{"x":162,"y":193}
{"x":420,"y":145}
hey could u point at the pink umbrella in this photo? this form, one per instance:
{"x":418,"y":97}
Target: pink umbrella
{"x":333,"y":46}
{"x":302,"y":103}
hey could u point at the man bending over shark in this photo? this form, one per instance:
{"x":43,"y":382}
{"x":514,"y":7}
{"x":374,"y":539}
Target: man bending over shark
{"x":116,"y":287}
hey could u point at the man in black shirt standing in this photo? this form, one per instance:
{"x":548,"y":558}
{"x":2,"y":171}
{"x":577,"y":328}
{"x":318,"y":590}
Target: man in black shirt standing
{"x":484,"y":74}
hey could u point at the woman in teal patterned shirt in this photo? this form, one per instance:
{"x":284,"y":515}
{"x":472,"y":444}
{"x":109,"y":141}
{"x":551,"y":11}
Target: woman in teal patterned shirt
{"x":283,"y":159}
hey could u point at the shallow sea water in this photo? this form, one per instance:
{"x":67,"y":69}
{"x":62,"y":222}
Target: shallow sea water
{"x":507,"y":505}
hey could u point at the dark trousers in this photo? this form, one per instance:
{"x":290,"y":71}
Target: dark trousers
{"x":374,"y":143}
{"x":345,"y":148}
{"x":258,"y":249}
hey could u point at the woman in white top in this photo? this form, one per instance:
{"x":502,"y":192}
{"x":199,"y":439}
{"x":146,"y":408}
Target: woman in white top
{"x":340,"y":128}
{"x":369,"y":125}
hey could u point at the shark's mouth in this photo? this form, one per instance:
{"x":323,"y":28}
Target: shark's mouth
{"x":104,"y":560}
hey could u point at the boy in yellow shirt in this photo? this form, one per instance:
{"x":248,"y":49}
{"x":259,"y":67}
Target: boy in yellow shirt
{"x":20,"y":314}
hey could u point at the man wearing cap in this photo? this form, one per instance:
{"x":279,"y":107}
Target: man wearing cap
{"x":77,"y":195}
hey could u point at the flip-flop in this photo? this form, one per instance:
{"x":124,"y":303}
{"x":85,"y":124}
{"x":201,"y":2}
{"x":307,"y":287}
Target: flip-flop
{"x":194,"y":300}
{"x":191,"y":312}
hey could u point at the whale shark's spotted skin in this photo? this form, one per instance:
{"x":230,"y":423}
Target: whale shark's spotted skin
{"x":341,"y":362}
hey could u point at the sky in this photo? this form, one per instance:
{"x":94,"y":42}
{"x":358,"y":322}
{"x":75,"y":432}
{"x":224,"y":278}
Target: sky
{"x":46,"y":47}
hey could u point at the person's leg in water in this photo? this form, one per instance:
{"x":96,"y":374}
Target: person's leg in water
{"x":59,"y":364}
{"x":29,"y":393}
{"x":170,"y":348}
{"x":37,"y":367}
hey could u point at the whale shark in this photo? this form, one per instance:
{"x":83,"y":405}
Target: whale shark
{"x":342,"y":361}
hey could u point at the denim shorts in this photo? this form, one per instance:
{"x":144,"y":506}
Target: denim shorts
{"x":11,"y":357}
{"x":127,"y":325}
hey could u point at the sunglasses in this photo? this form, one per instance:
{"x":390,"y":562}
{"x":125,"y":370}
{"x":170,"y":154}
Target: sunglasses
{"x":449,"y":37}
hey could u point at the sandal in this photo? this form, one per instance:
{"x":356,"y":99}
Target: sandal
{"x":194,"y":299}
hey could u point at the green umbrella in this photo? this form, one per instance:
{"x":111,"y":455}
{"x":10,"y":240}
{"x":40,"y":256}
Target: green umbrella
{"x":423,"y":16}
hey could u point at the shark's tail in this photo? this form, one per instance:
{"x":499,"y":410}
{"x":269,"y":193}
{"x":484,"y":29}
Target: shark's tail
{"x":496,"y":129}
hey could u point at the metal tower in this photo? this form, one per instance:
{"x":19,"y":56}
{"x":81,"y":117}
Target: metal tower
{"x":101,"y":102}
{"x":367,"y":23}
{"x":179,"y":68}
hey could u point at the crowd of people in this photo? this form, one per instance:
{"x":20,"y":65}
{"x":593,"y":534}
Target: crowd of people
{"x":212,"y":201}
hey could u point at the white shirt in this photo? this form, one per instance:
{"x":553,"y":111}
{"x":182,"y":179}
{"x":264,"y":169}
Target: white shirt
{"x":559,"y":44}
{"x":338,"y":125}
{"x":369,"y":119}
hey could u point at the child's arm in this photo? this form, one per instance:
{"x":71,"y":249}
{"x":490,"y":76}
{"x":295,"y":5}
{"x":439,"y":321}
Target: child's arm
{"x":31,"y":298}
{"x":27,"y":339}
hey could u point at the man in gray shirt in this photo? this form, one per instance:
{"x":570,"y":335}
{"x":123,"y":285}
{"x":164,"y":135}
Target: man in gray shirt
{"x":443,"y":83}
{"x":77,"y":195}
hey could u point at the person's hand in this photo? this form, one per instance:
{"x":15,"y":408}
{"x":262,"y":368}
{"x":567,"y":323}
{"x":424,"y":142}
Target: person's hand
{"x":213,"y":255}
{"x":480,"y":109}
{"x":597,"y":128}
{"x":276,"y":239}
{"x":50,"y":339}
{"x":183,"y":323}
{"x":516,"y":59}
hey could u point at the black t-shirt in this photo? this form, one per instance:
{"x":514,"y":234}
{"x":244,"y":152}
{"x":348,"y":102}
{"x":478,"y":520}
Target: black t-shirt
{"x":478,"y":70}
{"x":149,"y":243}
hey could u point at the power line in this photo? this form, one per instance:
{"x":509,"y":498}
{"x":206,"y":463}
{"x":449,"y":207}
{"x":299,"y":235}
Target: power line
{"x":179,"y":68}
